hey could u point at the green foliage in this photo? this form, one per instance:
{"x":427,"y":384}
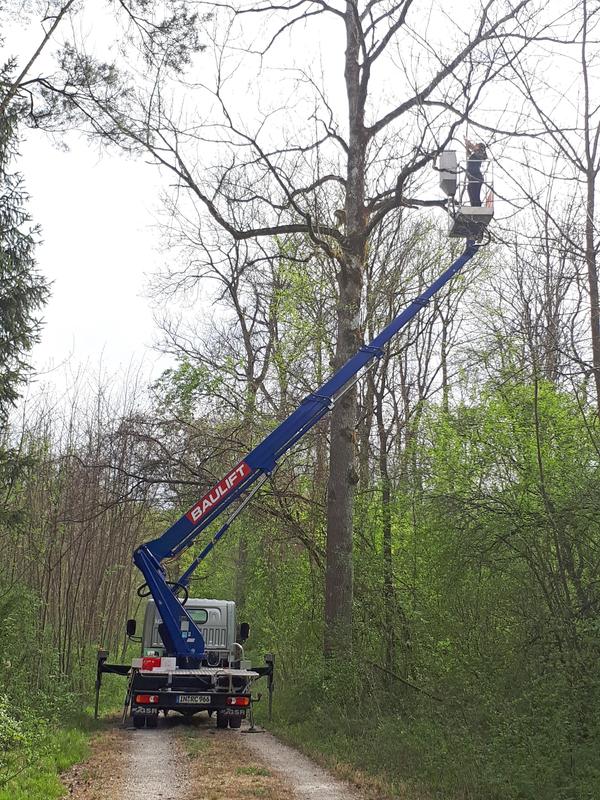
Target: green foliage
{"x":22,"y":290}
{"x":298,"y":297}
{"x":181,"y":388}
{"x":493,"y":690}
{"x":32,"y":772}
{"x":12,"y":735}
{"x":23,"y":738}
{"x":40,"y":734}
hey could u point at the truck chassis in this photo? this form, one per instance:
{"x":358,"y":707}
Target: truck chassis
{"x":226,"y":692}
{"x":223,"y":691}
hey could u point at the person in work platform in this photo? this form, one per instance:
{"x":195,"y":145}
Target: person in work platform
{"x":476,"y":155}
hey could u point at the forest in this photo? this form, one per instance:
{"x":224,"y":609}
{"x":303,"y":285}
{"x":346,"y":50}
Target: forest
{"x":425,"y":563}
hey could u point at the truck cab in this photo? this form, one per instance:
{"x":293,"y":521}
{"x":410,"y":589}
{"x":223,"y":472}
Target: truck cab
{"x":216,"y":620}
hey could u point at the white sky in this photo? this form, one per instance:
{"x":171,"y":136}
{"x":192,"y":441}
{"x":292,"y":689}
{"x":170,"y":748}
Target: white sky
{"x":99,"y":245}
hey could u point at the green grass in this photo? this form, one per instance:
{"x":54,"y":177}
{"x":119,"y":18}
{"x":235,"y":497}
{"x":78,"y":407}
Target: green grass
{"x":57,"y":746}
{"x":253,"y":771}
{"x":422,"y":750}
{"x":377,"y":750}
{"x":193,"y":743}
{"x":41,"y":781}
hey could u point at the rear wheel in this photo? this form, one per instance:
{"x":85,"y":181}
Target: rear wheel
{"x":139,"y":720}
{"x":235,"y":722}
{"x":221,"y":720}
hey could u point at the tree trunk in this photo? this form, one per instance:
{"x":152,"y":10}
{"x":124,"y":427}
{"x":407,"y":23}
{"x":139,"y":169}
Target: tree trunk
{"x":389,"y":633}
{"x":342,"y":470}
{"x":592,"y":270}
{"x":241,"y":565}
{"x":591,"y":146}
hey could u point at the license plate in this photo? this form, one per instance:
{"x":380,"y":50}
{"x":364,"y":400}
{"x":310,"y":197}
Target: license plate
{"x":194,"y":699}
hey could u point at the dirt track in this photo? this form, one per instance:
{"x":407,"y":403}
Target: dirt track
{"x":194,"y":761}
{"x":309,"y":781}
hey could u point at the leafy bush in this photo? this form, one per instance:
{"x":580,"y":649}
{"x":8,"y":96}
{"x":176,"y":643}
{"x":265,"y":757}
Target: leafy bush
{"x":23,"y":739}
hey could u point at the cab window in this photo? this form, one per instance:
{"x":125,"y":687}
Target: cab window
{"x":199,"y":615}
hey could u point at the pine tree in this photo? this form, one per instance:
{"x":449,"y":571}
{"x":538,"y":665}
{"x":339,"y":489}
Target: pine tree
{"x":23,"y":291}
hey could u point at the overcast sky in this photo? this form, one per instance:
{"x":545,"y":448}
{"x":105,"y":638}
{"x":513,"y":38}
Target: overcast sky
{"x":99,"y":245}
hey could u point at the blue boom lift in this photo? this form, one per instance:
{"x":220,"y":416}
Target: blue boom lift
{"x":186,"y":668}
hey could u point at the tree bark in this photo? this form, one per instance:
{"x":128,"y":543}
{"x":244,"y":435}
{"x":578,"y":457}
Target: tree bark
{"x":389,"y":633}
{"x":591,"y":147}
{"x":592,"y":270}
{"x":342,"y":470}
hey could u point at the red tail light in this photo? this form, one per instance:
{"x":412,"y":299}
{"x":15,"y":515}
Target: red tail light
{"x":238,"y":700}
{"x":146,"y":699}
{"x":150,"y":662}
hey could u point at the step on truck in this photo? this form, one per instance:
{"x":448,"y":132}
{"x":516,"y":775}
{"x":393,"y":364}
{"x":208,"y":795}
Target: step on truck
{"x":191,"y":658}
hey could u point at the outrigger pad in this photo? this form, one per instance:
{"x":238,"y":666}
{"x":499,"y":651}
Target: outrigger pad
{"x":470,"y":222}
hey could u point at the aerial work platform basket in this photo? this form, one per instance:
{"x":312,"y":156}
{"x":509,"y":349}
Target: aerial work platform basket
{"x":466,"y":219}
{"x":469,"y":222}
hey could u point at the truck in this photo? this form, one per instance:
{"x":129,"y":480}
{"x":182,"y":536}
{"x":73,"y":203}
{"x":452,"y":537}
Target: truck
{"x":192,"y":655}
{"x":221,"y":686}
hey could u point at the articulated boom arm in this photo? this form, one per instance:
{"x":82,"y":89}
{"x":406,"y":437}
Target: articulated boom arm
{"x":181,"y":636}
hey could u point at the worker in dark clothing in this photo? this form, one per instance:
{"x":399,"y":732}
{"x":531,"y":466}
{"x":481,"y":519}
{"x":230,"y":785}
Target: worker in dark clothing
{"x":476,"y":155}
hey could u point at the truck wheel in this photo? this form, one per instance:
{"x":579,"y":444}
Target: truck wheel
{"x":235,"y":722}
{"x":139,"y":720}
{"x":221,"y":720}
{"x":152,"y":722}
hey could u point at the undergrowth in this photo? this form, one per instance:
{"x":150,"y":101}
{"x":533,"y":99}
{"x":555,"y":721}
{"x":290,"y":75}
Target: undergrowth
{"x":472,"y":748}
{"x":39,"y":779}
{"x":42,"y":735}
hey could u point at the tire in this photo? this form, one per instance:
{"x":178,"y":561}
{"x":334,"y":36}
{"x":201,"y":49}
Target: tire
{"x":152,"y":722}
{"x":222,"y":720}
{"x":235,"y":722}
{"x":139,"y":721}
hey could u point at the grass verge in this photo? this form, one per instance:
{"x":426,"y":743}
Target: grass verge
{"x":232,"y":772}
{"x":369,"y":752}
{"x":64,"y":747}
{"x":342,"y":756}
{"x":53,"y":749}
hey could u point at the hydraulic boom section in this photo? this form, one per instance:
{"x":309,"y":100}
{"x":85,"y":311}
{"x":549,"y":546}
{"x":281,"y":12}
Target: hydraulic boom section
{"x":181,"y":636}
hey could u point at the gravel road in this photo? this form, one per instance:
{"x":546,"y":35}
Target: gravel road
{"x":155,"y":767}
{"x":132,"y":765}
{"x":307,"y":779}
{"x":194,"y":761}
